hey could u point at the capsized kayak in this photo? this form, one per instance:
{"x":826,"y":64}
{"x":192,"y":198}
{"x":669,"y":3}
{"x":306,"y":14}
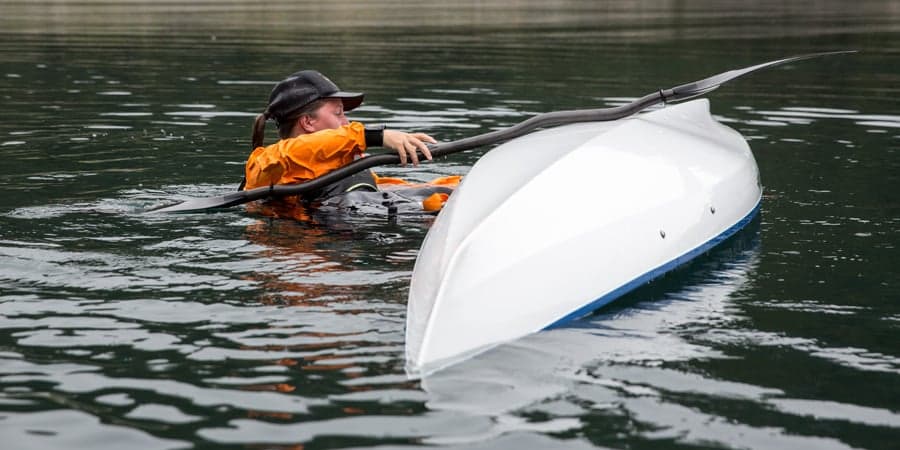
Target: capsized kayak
{"x":552,"y":225}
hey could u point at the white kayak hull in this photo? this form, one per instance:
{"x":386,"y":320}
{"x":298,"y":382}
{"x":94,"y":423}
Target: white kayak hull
{"x":547,"y":227}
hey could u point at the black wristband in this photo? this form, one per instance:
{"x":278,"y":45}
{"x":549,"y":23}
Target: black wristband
{"x":374,"y":136}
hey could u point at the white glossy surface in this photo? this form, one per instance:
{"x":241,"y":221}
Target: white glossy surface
{"x":548,"y":223}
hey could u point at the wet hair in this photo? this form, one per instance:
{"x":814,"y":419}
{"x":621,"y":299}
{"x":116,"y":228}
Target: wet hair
{"x":285,"y":126}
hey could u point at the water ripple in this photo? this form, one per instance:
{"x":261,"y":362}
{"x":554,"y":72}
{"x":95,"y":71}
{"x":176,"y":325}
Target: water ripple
{"x":76,"y":429}
{"x":126,"y":329}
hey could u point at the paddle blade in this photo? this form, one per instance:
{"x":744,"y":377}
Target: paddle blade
{"x":689,"y":90}
{"x":201,"y":204}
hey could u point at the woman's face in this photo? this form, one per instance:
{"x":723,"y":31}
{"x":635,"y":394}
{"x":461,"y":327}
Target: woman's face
{"x":329,"y":116}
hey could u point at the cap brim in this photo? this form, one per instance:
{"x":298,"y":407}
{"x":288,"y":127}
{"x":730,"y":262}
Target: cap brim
{"x":351,"y":100}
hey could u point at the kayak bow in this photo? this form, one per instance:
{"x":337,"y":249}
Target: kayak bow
{"x":550,"y":226}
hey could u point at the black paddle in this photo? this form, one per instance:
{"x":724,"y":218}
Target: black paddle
{"x":546,"y":120}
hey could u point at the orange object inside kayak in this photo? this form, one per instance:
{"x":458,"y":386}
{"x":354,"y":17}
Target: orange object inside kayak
{"x":449,"y":181}
{"x":434,"y":202}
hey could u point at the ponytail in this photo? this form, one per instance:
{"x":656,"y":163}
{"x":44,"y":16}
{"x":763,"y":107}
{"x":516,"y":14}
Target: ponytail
{"x":285,"y":124}
{"x":259,"y":130}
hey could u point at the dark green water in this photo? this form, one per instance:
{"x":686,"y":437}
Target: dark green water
{"x":125,"y":330}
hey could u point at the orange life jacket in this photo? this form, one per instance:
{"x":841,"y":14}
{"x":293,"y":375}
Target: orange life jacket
{"x":302,"y":158}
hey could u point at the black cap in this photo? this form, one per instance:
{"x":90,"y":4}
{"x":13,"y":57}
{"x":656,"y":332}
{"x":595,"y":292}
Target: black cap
{"x":302,"y":88}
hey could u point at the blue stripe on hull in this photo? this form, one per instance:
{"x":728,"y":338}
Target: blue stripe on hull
{"x":657,"y":272}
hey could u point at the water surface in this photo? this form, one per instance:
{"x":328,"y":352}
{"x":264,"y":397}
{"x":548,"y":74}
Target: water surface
{"x":227,"y":330}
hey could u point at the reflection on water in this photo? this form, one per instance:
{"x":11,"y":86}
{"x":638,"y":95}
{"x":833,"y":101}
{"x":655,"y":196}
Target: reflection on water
{"x":229,"y":330}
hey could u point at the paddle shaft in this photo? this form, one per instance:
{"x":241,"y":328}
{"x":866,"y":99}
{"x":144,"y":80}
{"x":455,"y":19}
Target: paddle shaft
{"x":545,"y":120}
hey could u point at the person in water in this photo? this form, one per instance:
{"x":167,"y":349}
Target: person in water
{"x":316,"y":137}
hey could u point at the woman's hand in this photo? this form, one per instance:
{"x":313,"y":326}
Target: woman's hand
{"x":407,"y":144}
